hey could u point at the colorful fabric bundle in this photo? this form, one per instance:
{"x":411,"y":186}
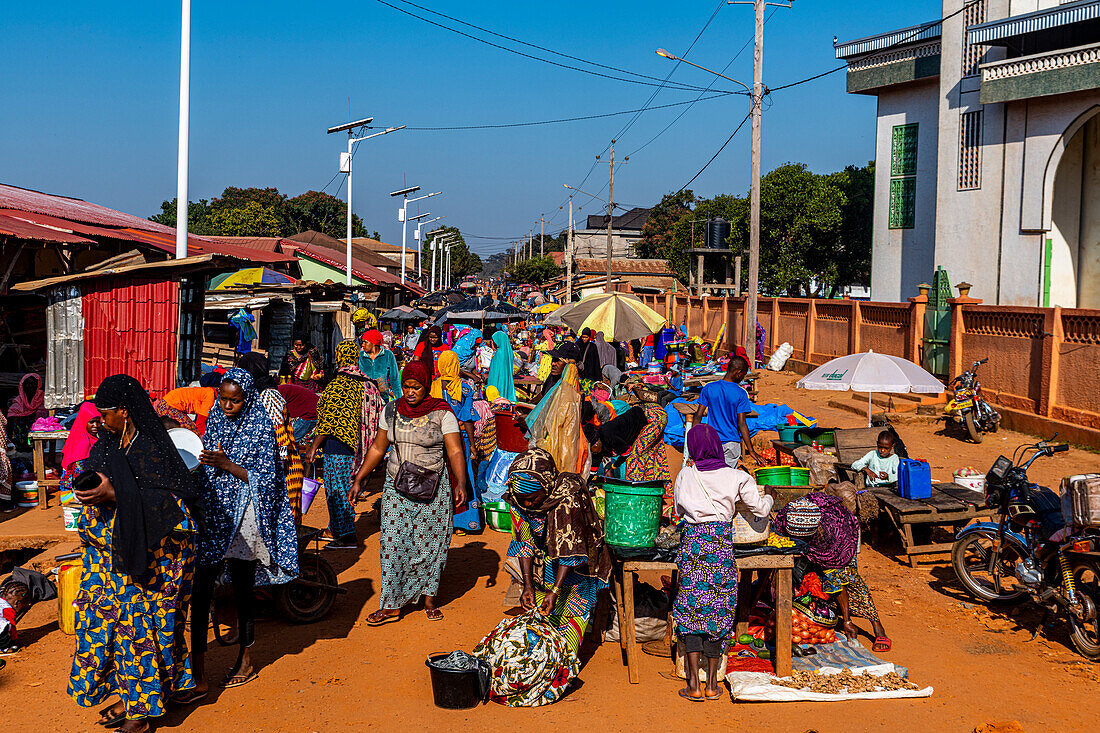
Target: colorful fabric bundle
{"x":532,"y":662}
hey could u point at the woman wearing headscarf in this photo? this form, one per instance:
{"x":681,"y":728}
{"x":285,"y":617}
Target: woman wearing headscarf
{"x":137,"y":541}
{"x":247,"y":521}
{"x":197,"y":401}
{"x":706,"y":496}
{"x":460,"y":397}
{"x":275,"y":404}
{"x":554,"y":521}
{"x":78,"y":446}
{"x":302,"y":365}
{"x":589,"y":364}
{"x":347,"y":417}
{"x":429,"y":348}
{"x":500,"y":368}
{"x":415,"y":534}
{"x":831,"y":532}
{"x":465,"y":347}
{"x":379,"y":363}
{"x":28,"y":406}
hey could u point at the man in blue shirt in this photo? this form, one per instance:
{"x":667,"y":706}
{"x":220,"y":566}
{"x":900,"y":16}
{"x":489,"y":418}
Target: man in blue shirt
{"x":726,"y":404}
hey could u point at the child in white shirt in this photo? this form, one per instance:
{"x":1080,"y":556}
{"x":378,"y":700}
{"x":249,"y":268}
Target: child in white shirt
{"x":880,"y":466}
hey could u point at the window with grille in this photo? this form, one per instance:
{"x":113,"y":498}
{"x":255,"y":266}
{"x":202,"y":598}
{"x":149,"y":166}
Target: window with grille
{"x":903,"y":176}
{"x":903,"y":203}
{"x":903,"y":151}
{"x":972,"y":53}
{"x":970,"y":150}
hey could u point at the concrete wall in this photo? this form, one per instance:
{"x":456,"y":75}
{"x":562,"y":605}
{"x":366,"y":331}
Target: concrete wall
{"x":903,"y":258}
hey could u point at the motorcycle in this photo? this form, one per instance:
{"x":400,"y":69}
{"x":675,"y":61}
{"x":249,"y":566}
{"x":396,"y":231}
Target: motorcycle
{"x":968,"y":407}
{"x":1016,"y":558}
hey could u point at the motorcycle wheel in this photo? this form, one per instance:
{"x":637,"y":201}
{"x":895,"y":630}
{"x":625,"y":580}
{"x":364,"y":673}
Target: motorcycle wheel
{"x":970,"y":558}
{"x":972,"y":428}
{"x":304,"y":604}
{"x":1085,"y":634}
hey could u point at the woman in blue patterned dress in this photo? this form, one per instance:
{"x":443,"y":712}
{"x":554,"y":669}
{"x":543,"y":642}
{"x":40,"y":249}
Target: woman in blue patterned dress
{"x":138,"y":546}
{"x":248,"y":524}
{"x":554,"y":520}
{"x":706,"y":496}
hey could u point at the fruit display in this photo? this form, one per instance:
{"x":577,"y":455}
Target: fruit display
{"x":804,"y":630}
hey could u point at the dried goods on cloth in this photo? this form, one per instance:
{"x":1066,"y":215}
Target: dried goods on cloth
{"x":532,"y":662}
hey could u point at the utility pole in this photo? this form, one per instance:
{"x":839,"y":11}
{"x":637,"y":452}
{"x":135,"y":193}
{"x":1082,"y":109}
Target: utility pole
{"x":754,"y":195}
{"x":184,"y":130}
{"x":431,"y":285}
{"x":610,"y":215}
{"x":569,"y":256}
{"x":542,"y":231}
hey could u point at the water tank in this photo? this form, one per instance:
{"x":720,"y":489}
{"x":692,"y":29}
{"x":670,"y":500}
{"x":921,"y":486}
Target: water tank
{"x":718,"y":233}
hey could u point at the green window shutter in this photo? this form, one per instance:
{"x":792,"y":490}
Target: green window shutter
{"x":903,"y":150}
{"x":903,"y":203}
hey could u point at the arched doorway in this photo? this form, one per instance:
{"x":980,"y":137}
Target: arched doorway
{"x":1072,"y":256}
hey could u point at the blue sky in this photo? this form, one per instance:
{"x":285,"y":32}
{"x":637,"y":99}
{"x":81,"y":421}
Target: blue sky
{"x":91,"y":91}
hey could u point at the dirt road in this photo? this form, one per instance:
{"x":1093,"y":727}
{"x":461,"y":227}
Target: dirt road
{"x":342,"y":675}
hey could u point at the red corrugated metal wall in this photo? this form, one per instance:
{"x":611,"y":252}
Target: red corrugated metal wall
{"x":130,"y":327}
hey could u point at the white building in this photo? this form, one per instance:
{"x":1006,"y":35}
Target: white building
{"x":988,"y":150}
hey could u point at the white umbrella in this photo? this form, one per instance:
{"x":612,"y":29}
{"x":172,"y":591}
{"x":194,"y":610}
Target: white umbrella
{"x":871,"y":372}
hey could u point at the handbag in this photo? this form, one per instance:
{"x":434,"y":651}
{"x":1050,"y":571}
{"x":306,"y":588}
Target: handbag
{"x":414,"y":482}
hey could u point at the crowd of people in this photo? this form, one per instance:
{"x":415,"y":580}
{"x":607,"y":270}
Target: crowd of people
{"x":520,"y":413}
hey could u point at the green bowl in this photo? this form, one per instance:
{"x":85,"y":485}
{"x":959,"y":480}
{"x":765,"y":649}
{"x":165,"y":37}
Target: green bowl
{"x":498,"y":515}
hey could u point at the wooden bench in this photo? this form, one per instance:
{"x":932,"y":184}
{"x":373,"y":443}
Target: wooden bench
{"x":949,"y":504}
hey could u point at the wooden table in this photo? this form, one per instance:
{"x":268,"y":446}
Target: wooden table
{"x":38,"y":440}
{"x":622,"y":589}
{"x":949,"y":504}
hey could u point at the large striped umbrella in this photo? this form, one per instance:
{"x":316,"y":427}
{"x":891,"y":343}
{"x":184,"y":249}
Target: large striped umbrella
{"x":251,"y":276}
{"x":620,"y":316}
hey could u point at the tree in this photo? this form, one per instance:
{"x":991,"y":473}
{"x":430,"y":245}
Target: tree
{"x":198,"y":214}
{"x":250,"y":220}
{"x":689,"y":231}
{"x":854,"y":249}
{"x":536,"y":270}
{"x":657,"y":230}
{"x":323,"y":213}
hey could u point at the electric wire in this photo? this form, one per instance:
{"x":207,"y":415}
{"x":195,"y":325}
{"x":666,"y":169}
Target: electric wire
{"x":642,"y":82}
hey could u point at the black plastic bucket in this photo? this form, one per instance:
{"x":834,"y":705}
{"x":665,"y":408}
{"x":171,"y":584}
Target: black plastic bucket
{"x":454,"y":690}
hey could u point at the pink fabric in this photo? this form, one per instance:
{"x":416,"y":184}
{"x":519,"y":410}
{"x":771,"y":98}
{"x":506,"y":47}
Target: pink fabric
{"x":80,"y":442}
{"x":22,"y":406}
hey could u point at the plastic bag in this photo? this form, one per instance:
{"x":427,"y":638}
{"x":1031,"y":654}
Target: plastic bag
{"x":556,"y":425}
{"x":779,"y":358}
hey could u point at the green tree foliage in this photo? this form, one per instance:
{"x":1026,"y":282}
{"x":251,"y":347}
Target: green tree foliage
{"x":657,"y":230}
{"x":536,"y":270}
{"x":463,"y":261}
{"x":815,"y":230}
{"x":264,"y":212}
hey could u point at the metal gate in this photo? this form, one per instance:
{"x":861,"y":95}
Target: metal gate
{"x":937,"y":326}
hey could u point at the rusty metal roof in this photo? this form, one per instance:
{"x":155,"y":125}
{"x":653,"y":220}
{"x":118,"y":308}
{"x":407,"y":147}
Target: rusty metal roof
{"x":163,"y":269}
{"x":23,"y":229}
{"x":12,"y":197}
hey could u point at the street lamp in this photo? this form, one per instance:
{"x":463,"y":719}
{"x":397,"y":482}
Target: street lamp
{"x":420,"y":247}
{"x":345,"y":167}
{"x":673,"y":57}
{"x":402,"y":216}
{"x":440,"y":241}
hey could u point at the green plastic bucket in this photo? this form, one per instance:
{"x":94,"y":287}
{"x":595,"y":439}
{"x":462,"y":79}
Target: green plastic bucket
{"x":498,"y":515}
{"x":632,"y":512}
{"x":774,"y":476}
{"x":799,"y":476}
{"x":788,"y":433}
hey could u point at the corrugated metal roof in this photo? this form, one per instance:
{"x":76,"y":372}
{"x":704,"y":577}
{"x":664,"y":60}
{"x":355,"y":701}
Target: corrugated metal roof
{"x":913,"y":34}
{"x":1040,"y":20}
{"x":130,"y":327}
{"x":623,"y":266}
{"x":12,"y":197}
{"x":359,"y":269}
{"x":65,"y":356}
{"x":264,"y":244}
{"x":201,"y":245}
{"x":337,"y":249}
{"x":15,"y":227}
{"x":164,"y":269}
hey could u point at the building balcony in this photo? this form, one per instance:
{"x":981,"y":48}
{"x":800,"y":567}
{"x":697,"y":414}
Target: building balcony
{"x":1043,"y":74}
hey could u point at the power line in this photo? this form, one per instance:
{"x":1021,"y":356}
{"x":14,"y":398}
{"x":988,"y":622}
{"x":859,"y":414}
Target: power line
{"x":727,"y":142}
{"x":678,"y":87}
{"x":563,"y":119}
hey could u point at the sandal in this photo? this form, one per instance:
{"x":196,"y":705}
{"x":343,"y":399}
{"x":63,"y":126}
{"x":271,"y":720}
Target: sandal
{"x":109,"y":720}
{"x":433,"y":614}
{"x":686,"y":694}
{"x":381,"y":618}
{"x":236,"y":679}
{"x":882,"y":644}
{"x":188,"y":697}
{"x":716,"y":696}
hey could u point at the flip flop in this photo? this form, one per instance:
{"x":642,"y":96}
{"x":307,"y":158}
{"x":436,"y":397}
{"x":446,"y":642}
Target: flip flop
{"x":716,"y":696}
{"x":433,"y":614}
{"x":882,"y":641}
{"x":229,"y":681}
{"x":387,"y":620}
{"x":688,"y":696}
{"x":115,"y":722}
{"x":185,"y":699}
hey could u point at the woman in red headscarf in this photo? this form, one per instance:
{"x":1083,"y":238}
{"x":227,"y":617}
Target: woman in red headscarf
{"x":430,"y":347}
{"x":415,"y":534}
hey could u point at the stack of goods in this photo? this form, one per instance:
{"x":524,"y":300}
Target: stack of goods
{"x":845,"y":682}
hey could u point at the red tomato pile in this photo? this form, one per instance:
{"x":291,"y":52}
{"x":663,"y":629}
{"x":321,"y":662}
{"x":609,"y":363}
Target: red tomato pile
{"x":804,"y":630}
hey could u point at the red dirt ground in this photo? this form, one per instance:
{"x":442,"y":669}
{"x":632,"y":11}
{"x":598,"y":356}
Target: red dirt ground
{"x":340,"y":674}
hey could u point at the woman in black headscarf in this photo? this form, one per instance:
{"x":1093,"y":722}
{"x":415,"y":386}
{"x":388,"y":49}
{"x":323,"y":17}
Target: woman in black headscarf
{"x":138,"y":545}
